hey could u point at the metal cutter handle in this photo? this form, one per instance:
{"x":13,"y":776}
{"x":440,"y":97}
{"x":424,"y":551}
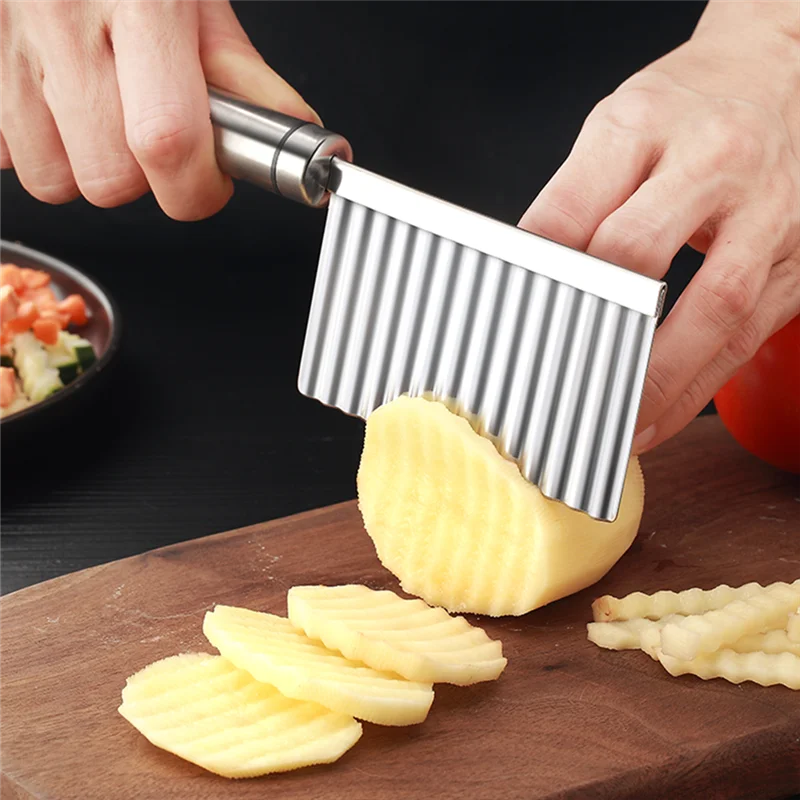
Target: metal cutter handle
{"x":285,"y":155}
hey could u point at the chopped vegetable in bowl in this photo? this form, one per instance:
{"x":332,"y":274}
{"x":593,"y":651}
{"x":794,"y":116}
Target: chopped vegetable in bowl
{"x":38,"y":354}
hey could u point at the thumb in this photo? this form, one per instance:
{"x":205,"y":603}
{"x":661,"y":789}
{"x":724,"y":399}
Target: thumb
{"x":231,"y":63}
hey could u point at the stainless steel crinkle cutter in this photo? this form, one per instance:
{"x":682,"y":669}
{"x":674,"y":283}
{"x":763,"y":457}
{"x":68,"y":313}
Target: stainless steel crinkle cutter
{"x":547,"y":347}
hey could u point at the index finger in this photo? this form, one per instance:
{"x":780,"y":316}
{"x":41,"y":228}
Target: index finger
{"x":608,"y":162}
{"x":720,"y":298}
{"x":166,"y":108}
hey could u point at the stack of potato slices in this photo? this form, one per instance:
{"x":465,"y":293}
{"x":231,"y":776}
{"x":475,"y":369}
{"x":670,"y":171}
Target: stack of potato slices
{"x":284,"y":693}
{"x":748,"y":633}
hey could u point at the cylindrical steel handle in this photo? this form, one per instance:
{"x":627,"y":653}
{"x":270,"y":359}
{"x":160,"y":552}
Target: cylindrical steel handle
{"x":277,"y":152}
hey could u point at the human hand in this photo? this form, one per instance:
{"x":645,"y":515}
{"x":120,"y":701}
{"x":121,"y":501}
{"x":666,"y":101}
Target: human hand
{"x":702,"y":146}
{"x":109,"y":98}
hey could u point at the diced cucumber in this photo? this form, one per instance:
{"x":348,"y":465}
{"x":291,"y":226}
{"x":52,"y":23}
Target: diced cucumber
{"x":61,"y":356}
{"x":68,"y":372}
{"x":39,"y":379}
{"x":82,"y":348}
{"x":6,"y":361}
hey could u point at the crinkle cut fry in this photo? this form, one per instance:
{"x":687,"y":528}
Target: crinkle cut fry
{"x":625,"y":634}
{"x":765,"y":669}
{"x":793,"y":627}
{"x":719,"y":629}
{"x":661,"y":604}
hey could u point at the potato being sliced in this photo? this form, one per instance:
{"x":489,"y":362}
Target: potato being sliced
{"x":272,"y":650}
{"x":460,"y":527}
{"x":202,"y":708}
{"x":389,"y":633}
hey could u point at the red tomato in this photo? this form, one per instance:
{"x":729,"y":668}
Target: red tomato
{"x":46,"y":330}
{"x":75,"y":307}
{"x":760,"y":404}
{"x":27,"y":313}
{"x":34,"y":278}
{"x":11,"y":275}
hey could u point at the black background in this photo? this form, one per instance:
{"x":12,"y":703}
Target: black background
{"x":201,"y":428}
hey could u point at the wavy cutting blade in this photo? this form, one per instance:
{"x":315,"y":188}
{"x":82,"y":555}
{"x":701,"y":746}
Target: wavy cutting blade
{"x":545,"y":347}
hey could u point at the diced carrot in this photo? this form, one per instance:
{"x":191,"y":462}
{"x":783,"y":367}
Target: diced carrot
{"x":27,"y":314}
{"x":46,"y":330}
{"x":8,"y":386}
{"x":53,"y":313}
{"x":34,"y":278}
{"x":75,"y":306}
{"x":11,"y":275}
{"x":44,"y":297}
{"x":9,"y":302}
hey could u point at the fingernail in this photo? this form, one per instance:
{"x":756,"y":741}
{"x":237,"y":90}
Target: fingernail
{"x":641,"y":440}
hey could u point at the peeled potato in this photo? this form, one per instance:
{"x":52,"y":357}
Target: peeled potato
{"x":202,"y":708}
{"x":271,"y":649}
{"x":460,"y":527}
{"x":389,"y":633}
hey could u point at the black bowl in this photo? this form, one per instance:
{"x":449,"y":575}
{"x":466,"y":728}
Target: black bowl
{"x":103,"y":331}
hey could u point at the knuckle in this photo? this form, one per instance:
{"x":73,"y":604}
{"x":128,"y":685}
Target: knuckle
{"x":165,"y":136}
{"x":697,"y":394}
{"x":728,"y":298}
{"x":115,"y":189}
{"x":744,"y":344}
{"x":563,"y":214}
{"x":633,"y":241}
{"x":735,"y":138}
{"x":657,"y":384}
{"x":51,"y":182}
{"x":631,"y":108}
{"x":197,"y":209}
{"x":57,"y":192}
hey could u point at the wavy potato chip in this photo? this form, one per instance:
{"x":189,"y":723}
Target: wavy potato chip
{"x":205,"y":710}
{"x":274,"y":651}
{"x":386,"y":632}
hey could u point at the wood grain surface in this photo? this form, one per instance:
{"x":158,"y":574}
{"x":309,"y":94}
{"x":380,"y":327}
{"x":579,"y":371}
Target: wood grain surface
{"x":566,"y":719}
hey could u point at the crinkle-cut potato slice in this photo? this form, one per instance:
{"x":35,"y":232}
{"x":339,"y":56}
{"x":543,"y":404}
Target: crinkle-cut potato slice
{"x":460,"y":527}
{"x":202,"y":708}
{"x":272,"y":650}
{"x":389,"y":633}
{"x":719,"y":629}
{"x":765,"y":669}
{"x":661,"y":604}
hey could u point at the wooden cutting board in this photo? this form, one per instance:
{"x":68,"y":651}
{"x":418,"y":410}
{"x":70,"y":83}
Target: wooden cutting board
{"x":566,"y":719}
